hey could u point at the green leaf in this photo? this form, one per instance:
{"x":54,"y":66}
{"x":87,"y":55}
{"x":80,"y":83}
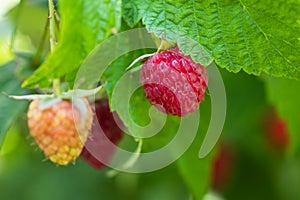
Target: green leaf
{"x":284,"y":94}
{"x":196,"y":171}
{"x":22,"y":17}
{"x":118,"y":87}
{"x":246,"y":101}
{"x":10,"y":108}
{"x":128,"y":99}
{"x":246,"y":106}
{"x":84,"y":24}
{"x":256,"y":36}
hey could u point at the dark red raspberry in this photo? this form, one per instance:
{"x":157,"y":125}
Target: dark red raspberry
{"x":106,"y":132}
{"x":173,"y":82}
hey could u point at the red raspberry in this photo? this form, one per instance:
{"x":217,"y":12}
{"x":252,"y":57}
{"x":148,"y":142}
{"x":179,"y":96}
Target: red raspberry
{"x":173,"y":82}
{"x":60,"y":130}
{"x":103,"y":136}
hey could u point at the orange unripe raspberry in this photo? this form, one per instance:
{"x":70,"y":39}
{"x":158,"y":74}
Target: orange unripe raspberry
{"x":60,"y":130}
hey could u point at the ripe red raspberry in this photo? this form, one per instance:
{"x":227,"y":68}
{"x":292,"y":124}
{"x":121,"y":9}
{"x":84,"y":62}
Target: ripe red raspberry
{"x":103,"y":136}
{"x":173,"y":82}
{"x":60,"y":130}
{"x":276,"y":130}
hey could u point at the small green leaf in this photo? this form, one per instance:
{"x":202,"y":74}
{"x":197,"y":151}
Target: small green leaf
{"x":256,"y":36}
{"x":10,"y":108}
{"x":84,"y":24}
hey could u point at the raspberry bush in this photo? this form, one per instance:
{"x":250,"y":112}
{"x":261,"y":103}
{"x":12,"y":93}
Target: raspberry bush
{"x":45,"y":46}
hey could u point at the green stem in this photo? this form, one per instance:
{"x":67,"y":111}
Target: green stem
{"x":56,"y":87}
{"x":53,"y":41}
{"x":165,"y":45}
{"x":52,"y":25}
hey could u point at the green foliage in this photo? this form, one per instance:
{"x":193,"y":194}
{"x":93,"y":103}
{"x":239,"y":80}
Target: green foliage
{"x":134,"y":111}
{"x":256,"y":36}
{"x":23,"y":15}
{"x":284,"y":94}
{"x":83,"y":26}
{"x":246,"y":103}
{"x":130,"y":12}
{"x":250,"y":35}
{"x":77,"y":182}
{"x":122,"y":100}
{"x":10,"y":108}
{"x":196,"y":171}
{"x":244,"y":135}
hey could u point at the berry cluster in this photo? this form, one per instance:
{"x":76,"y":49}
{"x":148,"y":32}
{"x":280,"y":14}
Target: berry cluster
{"x":172,"y":82}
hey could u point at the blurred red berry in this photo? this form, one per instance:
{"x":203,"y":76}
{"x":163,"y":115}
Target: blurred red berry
{"x":106,"y":131}
{"x":222,"y":167}
{"x":276,"y":131}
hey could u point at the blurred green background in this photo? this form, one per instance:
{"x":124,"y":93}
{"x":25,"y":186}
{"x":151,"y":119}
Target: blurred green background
{"x":248,"y":164}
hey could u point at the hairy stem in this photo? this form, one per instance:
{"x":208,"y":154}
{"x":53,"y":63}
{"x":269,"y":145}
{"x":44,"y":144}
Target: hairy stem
{"x":52,"y":24}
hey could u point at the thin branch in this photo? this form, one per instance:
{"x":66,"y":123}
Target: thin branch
{"x":53,"y":41}
{"x":52,"y":25}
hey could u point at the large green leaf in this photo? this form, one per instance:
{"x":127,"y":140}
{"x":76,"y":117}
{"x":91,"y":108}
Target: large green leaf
{"x":246,"y":103}
{"x":10,"y":108}
{"x":256,"y":36}
{"x":84,"y":24}
{"x":284,"y":94}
